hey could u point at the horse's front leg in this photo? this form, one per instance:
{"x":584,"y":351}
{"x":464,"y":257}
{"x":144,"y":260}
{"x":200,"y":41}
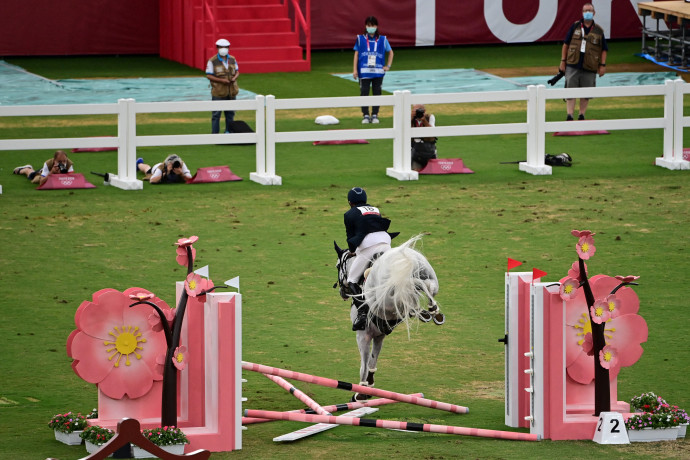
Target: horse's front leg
{"x":373,"y":359}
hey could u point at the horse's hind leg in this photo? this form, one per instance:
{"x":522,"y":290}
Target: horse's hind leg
{"x":364,"y":344}
{"x":373,"y":359}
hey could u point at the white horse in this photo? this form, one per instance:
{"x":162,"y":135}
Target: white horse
{"x":395,"y":287}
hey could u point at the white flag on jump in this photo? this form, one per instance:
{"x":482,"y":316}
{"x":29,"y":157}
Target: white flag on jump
{"x":235,"y":282}
{"x":203,"y":271}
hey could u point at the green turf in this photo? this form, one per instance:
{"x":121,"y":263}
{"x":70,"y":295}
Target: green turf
{"x":59,"y":247}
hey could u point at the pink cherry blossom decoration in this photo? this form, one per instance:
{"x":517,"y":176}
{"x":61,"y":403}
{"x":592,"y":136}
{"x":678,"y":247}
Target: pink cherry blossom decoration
{"x":114,"y":346}
{"x":625,"y":333}
{"x":627,"y":279}
{"x":588,"y":344}
{"x":193,"y":285}
{"x":585,"y":247}
{"x":184,"y":242}
{"x":142,"y":296}
{"x":600,"y":312}
{"x":569,"y":288}
{"x":179,"y":357}
{"x":581,"y":234}
{"x":574,"y":271}
{"x":608,"y":357}
{"x":613,"y":305}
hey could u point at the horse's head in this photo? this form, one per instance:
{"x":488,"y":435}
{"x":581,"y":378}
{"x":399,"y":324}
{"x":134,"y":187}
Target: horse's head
{"x":342,"y":265}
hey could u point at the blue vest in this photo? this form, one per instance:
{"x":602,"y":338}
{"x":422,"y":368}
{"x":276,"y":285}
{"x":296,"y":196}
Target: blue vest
{"x":366,"y":47}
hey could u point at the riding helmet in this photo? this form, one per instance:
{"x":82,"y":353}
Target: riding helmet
{"x":357,"y":196}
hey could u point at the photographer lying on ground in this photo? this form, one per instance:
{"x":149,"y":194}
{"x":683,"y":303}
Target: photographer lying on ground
{"x":59,"y":164}
{"x":171,"y":171}
{"x":423,"y":148}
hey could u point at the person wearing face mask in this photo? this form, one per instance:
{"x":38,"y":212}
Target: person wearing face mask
{"x":368,"y":66}
{"x":222,"y":71}
{"x":583,"y":57}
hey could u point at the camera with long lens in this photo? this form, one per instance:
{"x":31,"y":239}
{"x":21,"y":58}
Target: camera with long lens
{"x":419,"y":113}
{"x":556,"y":78}
{"x":63,"y":168}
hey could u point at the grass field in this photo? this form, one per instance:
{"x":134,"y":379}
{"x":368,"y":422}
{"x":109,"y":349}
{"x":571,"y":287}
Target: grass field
{"x":60,"y":247}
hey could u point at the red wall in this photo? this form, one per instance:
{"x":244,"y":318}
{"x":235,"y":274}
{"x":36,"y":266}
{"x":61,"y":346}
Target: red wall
{"x":335,"y":22}
{"x":74,"y":27}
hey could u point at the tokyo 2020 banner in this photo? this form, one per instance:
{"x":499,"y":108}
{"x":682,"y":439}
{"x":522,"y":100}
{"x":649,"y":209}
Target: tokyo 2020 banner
{"x":458,"y":22}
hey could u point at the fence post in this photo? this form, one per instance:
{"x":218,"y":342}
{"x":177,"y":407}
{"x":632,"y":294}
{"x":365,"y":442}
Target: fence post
{"x":266,"y":159}
{"x":260,"y":118}
{"x":536,"y":132}
{"x":673,"y":127}
{"x":402,"y":162}
{"x":126,"y":177}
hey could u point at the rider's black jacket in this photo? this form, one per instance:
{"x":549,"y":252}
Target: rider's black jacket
{"x":361,"y":220}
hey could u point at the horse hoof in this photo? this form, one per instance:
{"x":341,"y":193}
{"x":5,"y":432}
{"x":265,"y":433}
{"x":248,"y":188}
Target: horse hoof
{"x":424,"y":316}
{"x":439,"y":318}
{"x":359,"y":397}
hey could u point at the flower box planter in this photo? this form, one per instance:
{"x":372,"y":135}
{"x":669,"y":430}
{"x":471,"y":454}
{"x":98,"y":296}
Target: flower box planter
{"x":71,"y":439}
{"x":91,"y":447}
{"x":681,"y":430}
{"x":138,"y":452}
{"x":653,"y":434}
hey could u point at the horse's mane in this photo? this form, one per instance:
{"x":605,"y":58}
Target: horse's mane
{"x":399,"y":281}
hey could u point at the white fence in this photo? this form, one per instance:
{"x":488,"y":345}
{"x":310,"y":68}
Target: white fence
{"x":266,"y":137}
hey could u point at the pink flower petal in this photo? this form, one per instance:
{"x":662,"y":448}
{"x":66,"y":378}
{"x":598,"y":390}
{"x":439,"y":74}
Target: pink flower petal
{"x":569,"y":288}
{"x":585,"y":247}
{"x":183,"y":242}
{"x":193,"y":284}
{"x":627,"y":279}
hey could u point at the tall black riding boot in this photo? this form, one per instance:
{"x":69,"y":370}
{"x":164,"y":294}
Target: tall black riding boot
{"x":362,"y":308}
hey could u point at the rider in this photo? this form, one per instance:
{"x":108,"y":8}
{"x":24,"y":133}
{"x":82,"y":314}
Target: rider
{"x":366,"y":236}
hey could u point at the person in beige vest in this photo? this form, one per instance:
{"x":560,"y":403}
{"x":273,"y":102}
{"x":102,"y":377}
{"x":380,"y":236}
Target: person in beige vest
{"x":222,"y":71}
{"x":583,"y":57}
{"x":59,"y":164}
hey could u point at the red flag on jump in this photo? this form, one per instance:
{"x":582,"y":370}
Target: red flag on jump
{"x":512,"y":263}
{"x":536,"y":274}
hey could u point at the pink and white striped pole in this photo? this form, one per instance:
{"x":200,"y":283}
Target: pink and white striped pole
{"x":331,"y":408}
{"x":373,"y":423}
{"x":354,"y":387}
{"x":313,"y":405}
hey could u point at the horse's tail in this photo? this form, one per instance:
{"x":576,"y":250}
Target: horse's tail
{"x":398,"y":281}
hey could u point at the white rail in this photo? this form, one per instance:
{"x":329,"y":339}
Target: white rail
{"x":266,"y":137}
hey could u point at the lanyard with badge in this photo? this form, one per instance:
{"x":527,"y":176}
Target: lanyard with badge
{"x":583,"y":45}
{"x":371,"y":58}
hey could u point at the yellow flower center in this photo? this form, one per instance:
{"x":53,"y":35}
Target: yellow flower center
{"x":568,"y":289}
{"x":608,"y":356}
{"x":585,"y":247}
{"x":192,"y":284}
{"x":179,"y":357}
{"x":127,"y":340}
{"x":598,"y":311}
{"x":612,"y":306}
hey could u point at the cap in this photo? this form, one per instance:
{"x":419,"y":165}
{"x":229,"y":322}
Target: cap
{"x":357,"y":196}
{"x":222,"y":42}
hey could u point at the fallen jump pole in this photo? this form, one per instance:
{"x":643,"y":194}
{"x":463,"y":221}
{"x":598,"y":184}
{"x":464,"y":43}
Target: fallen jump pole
{"x":391,"y":424}
{"x":313,"y":405}
{"x":354,"y":387}
{"x":331,"y":408}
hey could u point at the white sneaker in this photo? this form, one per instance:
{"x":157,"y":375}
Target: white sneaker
{"x":375,"y":119}
{"x":365,"y":120}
